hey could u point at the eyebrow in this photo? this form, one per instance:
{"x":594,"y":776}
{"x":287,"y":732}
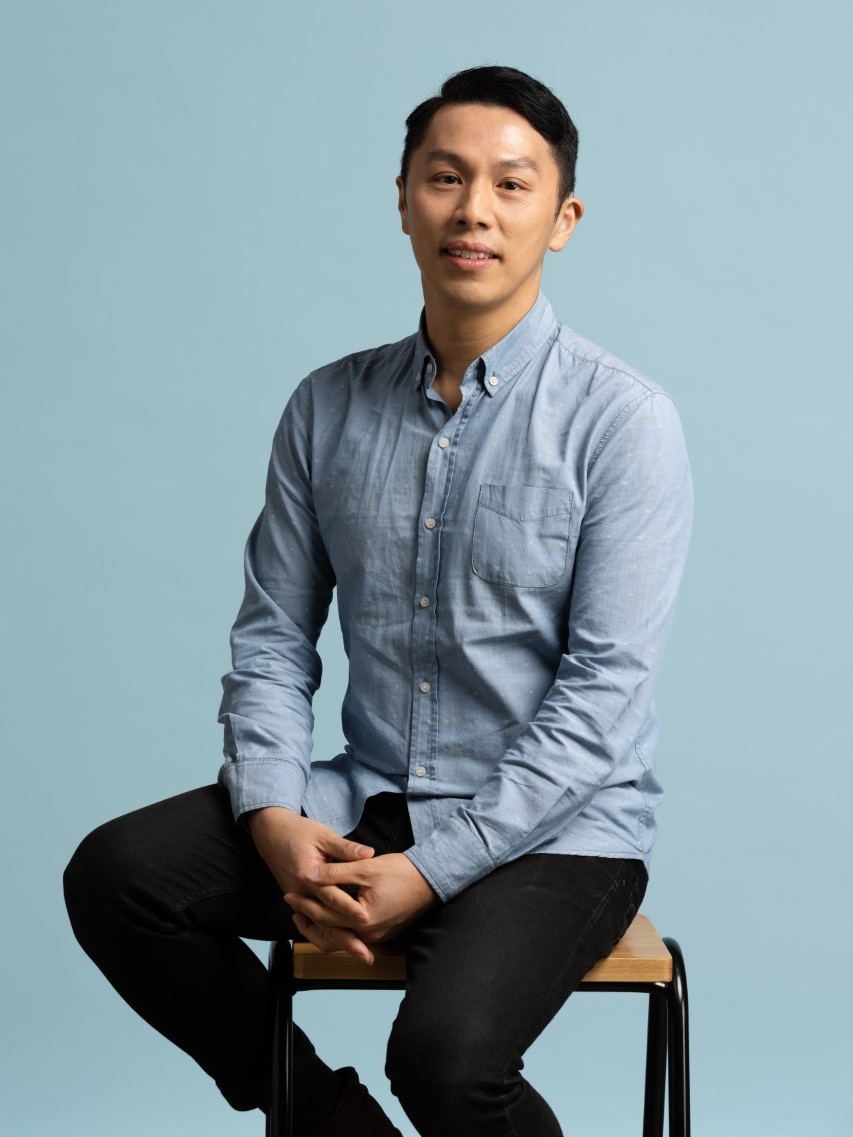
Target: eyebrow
{"x":505,"y":164}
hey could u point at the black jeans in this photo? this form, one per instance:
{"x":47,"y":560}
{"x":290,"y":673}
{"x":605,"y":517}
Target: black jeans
{"x":160,"y":898}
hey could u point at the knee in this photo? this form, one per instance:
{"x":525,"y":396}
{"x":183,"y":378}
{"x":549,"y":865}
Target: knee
{"x":438,"y":1069}
{"x":86,"y":878}
{"x":96,"y":880}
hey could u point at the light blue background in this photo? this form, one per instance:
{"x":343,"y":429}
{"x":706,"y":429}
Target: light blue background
{"x":198,"y":205}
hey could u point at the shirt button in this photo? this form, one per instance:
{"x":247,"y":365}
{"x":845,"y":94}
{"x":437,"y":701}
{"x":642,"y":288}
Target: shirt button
{"x":424,"y":602}
{"x":430,"y":523}
{"x":425,"y":686}
{"x":420,"y":771}
{"x":428,"y":367}
{"x":493,"y":381}
{"x":443,"y":443}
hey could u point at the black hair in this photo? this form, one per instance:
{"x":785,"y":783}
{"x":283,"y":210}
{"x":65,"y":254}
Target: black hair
{"x":502,"y":87}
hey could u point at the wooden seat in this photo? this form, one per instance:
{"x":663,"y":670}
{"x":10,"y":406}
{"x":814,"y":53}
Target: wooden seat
{"x":641,"y":962}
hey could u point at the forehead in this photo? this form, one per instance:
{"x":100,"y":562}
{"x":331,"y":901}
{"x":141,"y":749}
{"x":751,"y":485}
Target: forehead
{"x":485,"y":134}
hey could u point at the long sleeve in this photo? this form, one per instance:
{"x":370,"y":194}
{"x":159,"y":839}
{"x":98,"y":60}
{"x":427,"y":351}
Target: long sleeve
{"x":266,"y":704}
{"x":588,"y":734}
{"x":505,"y":577}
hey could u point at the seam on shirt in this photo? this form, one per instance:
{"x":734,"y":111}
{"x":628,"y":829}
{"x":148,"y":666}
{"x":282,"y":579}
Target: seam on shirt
{"x":613,"y":366}
{"x":629,"y":409}
{"x":475,"y":841}
{"x":522,"y":517}
{"x":650,"y":390}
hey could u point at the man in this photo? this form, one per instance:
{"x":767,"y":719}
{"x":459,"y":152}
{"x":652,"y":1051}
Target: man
{"x":503,"y":509}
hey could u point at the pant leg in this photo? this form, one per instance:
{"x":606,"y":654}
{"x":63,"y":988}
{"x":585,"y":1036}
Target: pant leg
{"x":487,"y":973}
{"x":159,"y":899}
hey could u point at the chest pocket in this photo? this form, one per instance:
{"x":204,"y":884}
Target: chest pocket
{"x":521,"y":535}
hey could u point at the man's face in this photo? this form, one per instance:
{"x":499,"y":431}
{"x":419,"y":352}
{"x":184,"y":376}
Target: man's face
{"x":480,"y":205}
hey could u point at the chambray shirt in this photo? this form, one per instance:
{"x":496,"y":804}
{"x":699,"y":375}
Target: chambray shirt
{"x":505,"y":579}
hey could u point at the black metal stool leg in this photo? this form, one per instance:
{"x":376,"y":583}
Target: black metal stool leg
{"x":280,"y":1119}
{"x":679,"y":1058}
{"x":656,"y":1052}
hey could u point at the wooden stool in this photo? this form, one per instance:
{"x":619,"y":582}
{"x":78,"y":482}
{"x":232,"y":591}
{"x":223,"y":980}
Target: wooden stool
{"x":641,"y":961}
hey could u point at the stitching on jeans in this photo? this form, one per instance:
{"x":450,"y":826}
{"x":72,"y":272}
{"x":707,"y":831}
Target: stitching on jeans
{"x":203,"y":894}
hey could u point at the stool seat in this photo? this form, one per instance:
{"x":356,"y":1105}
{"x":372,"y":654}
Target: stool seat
{"x":642,"y":961}
{"x":641,"y":956}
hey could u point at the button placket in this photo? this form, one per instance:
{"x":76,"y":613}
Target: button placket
{"x":439,"y":473}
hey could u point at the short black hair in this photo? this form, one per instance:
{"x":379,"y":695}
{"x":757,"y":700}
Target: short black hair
{"x":502,"y":87}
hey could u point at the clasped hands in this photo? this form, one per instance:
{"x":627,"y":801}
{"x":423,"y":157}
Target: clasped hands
{"x":310,"y":861}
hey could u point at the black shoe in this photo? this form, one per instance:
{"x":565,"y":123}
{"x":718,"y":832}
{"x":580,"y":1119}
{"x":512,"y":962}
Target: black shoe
{"x":357,"y":1113}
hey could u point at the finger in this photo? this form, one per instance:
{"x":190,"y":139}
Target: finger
{"x":321,"y":913}
{"x":338,"y":873}
{"x":344,"y":850}
{"x":333,"y":939}
{"x":338,"y":899}
{"x":334,"y":901}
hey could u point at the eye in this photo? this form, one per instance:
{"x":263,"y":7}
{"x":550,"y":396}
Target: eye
{"x":446,"y":179}
{"x":509,"y":184}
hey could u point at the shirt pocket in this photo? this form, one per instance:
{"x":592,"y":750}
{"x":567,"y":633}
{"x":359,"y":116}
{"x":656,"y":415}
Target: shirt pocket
{"x":521,"y":535}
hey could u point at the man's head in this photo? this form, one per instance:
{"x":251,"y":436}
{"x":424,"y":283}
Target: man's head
{"x":485,"y":193}
{"x":510,"y":88}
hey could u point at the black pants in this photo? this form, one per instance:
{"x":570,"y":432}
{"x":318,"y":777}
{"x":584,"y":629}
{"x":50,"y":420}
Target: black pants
{"x":160,"y":898}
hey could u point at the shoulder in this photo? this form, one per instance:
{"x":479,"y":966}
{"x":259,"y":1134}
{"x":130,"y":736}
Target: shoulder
{"x":376,"y":364}
{"x":582,"y":360}
{"x":327,"y":393}
{"x":615,"y":400}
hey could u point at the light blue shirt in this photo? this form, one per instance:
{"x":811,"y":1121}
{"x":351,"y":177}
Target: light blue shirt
{"x":505,"y":579}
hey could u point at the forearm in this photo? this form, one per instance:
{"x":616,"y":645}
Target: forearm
{"x":586,"y":738}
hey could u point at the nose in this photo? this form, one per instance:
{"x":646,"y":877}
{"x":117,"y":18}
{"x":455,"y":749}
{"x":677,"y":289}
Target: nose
{"x":474,"y":205}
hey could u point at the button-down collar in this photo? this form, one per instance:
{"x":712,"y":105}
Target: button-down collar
{"x":503,"y":361}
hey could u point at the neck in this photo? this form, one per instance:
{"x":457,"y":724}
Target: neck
{"x":459,"y":335}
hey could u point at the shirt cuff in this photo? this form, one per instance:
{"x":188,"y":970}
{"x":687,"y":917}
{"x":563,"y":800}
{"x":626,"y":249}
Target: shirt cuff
{"x":256,"y":783}
{"x":451,"y":858}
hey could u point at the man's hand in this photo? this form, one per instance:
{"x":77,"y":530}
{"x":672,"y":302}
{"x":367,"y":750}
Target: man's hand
{"x":295,"y":849}
{"x":392,"y":894}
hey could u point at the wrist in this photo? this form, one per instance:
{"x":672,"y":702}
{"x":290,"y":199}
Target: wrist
{"x":268,"y":819}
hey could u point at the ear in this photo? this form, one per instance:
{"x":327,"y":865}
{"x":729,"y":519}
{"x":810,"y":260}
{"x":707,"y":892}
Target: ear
{"x":571,"y":211}
{"x":401,"y":205}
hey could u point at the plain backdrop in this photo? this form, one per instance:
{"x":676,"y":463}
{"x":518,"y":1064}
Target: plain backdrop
{"x":197,"y":204}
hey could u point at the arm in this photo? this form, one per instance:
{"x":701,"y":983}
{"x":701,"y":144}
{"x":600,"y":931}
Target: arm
{"x":266,"y":704}
{"x":628,"y":564}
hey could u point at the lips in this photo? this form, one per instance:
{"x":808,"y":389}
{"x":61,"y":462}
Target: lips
{"x":469,"y":251}
{"x":463,"y":254}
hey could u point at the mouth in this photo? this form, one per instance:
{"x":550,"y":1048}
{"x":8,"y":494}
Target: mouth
{"x":469,"y":255}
